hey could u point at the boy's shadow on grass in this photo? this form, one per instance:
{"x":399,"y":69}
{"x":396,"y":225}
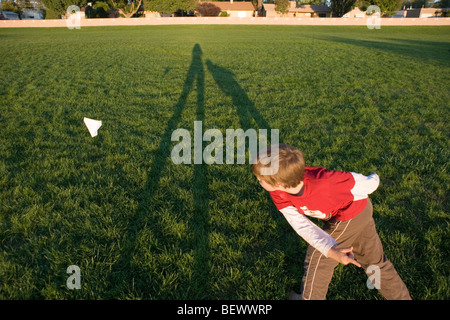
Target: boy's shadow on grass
{"x":147,"y":216}
{"x":244,"y":106}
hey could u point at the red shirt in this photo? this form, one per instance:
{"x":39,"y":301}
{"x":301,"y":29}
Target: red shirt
{"x":327,"y":194}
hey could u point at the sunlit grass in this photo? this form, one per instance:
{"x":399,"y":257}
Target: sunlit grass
{"x":140,"y":227}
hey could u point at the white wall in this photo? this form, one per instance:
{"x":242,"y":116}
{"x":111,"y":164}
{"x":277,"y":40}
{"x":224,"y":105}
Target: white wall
{"x":229,"y":20}
{"x":240,"y":14}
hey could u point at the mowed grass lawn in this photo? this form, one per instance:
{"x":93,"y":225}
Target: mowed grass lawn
{"x":140,"y":227}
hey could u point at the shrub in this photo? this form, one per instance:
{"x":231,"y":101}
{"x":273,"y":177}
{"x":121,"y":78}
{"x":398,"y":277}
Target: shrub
{"x":103,"y":5}
{"x":208,"y":9}
{"x":98,"y":11}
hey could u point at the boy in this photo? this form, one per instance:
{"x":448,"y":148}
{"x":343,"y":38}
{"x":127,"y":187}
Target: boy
{"x":341,"y":200}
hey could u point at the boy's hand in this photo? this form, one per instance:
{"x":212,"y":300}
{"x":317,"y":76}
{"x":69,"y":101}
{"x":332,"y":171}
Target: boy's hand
{"x":344,"y":255}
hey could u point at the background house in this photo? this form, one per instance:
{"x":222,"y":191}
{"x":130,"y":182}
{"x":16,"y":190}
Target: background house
{"x":299,"y":10}
{"x":240,"y":9}
{"x":269,"y":10}
{"x":399,"y":14}
{"x":423,"y":12}
{"x":429,"y":12}
{"x":309,"y":10}
{"x":355,"y":13}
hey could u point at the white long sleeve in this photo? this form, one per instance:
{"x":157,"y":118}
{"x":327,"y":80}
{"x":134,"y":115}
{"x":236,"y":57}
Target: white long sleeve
{"x":308,"y":230}
{"x":364,"y":185}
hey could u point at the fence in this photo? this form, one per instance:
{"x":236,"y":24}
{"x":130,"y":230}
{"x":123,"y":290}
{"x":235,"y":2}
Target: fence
{"x":227,"y":20}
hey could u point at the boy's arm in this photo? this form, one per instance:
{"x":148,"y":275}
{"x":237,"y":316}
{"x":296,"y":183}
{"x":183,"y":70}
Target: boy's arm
{"x":364,"y":185}
{"x":343,"y":255}
{"x":308,"y":230}
{"x":316,"y":237}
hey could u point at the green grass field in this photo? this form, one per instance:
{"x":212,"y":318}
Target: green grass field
{"x":140,"y":227}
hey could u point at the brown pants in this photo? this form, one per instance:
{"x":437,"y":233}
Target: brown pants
{"x":360,"y":233}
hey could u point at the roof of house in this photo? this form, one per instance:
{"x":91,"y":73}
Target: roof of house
{"x":355,"y":11}
{"x":269,"y":6}
{"x":235,"y":6}
{"x":429,"y":10}
{"x":304,"y":8}
{"x":308,"y":8}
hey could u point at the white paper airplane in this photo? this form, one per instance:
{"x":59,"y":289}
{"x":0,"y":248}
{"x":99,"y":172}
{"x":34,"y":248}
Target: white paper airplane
{"x":92,"y":125}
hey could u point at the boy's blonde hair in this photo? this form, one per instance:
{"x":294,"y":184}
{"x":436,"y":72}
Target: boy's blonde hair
{"x":291,"y":166}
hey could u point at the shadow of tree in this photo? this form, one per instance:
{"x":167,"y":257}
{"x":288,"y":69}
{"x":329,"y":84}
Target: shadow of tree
{"x":417,"y":49}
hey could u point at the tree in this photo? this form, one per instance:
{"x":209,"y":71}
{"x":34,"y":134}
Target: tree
{"x":208,"y":9}
{"x":10,"y":5}
{"x":24,"y":4}
{"x":60,"y":6}
{"x":318,"y":2}
{"x":362,"y":4}
{"x":341,"y":7}
{"x":188,"y":5}
{"x":127,"y":8}
{"x":98,"y":10}
{"x":282,"y":6}
{"x":442,"y":4}
{"x":387,"y":7}
{"x":418,"y":3}
{"x":258,"y":4}
{"x":170,"y":6}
